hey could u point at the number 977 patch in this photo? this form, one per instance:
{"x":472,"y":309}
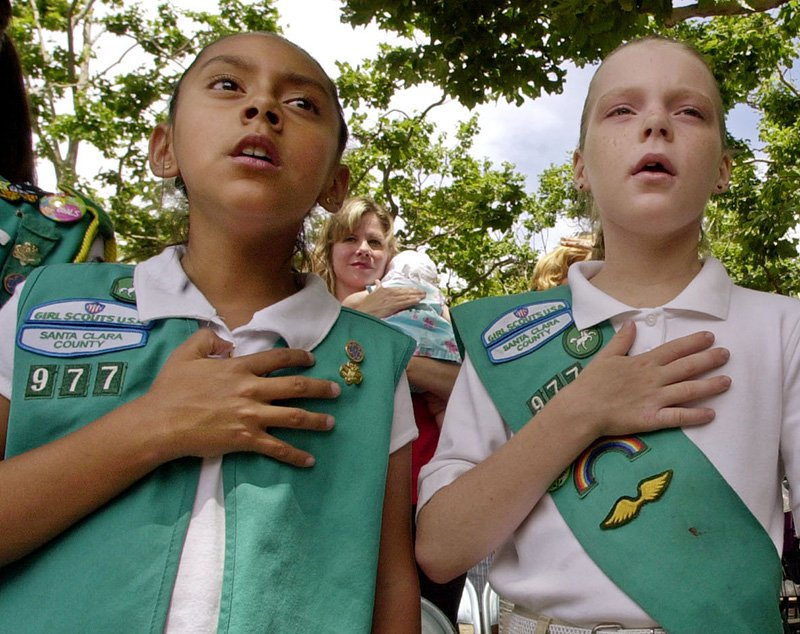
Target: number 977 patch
{"x":75,"y":380}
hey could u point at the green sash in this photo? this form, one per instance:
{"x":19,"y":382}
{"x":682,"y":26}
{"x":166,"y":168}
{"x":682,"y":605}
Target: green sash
{"x":651,"y":510}
{"x":301,"y":546}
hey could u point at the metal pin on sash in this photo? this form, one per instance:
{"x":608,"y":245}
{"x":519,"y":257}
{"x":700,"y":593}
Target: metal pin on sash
{"x":350,"y":371}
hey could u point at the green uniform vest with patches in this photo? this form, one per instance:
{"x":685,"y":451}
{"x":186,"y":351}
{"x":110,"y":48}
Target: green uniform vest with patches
{"x":651,"y":510}
{"x":301,"y":544}
{"x":38,"y":228}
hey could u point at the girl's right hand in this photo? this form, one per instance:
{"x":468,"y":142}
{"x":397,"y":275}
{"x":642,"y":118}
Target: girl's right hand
{"x":385,"y":301}
{"x":649,"y":391}
{"x":205,"y":403}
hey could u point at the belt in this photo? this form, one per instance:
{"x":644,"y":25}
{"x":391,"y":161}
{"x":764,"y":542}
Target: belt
{"x":521,"y":624}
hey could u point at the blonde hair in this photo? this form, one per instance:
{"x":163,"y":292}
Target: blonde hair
{"x":551,"y":269}
{"x":343,"y":223}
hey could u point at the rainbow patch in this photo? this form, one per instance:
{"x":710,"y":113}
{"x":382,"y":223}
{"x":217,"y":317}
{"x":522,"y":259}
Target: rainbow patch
{"x":583,"y":473}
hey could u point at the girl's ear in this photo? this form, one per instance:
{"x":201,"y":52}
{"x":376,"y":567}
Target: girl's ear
{"x":334,"y":194}
{"x":724,"y":173}
{"x":160,"y":155}
{"x":579,"y":172}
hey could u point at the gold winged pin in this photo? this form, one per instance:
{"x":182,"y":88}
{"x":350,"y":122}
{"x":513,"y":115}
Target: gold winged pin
{"x":627,"y":509}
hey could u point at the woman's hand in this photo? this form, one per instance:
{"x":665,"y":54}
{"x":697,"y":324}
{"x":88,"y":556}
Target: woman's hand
{"x":383,"y":302}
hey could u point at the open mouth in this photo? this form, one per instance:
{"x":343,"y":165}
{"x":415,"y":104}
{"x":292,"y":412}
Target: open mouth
{"x":257,"y":148}
{"x":258,"y":153}
{"x":654,"y":165}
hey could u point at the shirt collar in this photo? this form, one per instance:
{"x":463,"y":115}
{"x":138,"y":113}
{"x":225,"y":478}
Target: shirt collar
{"x":708,"y":293}
{"x":163,"y":290}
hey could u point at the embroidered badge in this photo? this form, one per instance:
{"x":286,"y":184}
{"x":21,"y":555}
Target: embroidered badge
{"x":531,"y":337}
{"x":122,"y":289}
{"x":583,"y":474}
{"x":62,"y":208}
{"x":582,"y":343}
{"x":627,"y":509}
{"x":27,"y":253}
{"x":350,"y":371}
{"x":85,"y":312}
{"x":75,"y":380}
{"x":518,"y":318}
{"x":560,"y":480}
{"x":66,"y":341}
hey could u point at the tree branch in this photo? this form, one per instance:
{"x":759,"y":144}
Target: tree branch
{"x":730,"y":7}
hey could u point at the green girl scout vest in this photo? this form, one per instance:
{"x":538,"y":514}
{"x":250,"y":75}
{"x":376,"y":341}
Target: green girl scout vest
{"x":639,"y":505}
{"x":301,"y":544}
{"x":39,"y":228}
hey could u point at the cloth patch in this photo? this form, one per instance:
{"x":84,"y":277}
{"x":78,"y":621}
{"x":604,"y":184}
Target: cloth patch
{"x":87,"y":311}
{"x":55,"y":341}
{"x":530,"y":337}
{"x":518,"y":318}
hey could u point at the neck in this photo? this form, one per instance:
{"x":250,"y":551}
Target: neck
{"x":239,"y":279}
{"x":645,"y":274}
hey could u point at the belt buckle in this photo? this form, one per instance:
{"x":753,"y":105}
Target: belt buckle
{"x":607,"y":627}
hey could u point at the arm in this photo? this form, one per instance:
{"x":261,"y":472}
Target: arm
{"x":397,"y":602}
{"x":431,"y":375}
{"x":355,"y":300}
{"x":197,"y":406}
{"x":615,"y":395}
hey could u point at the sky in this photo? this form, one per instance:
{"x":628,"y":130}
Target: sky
{"x":540,"y":133}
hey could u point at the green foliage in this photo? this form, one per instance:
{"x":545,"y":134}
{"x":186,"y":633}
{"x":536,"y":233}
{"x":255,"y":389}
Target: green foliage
{"x":99,"y":74}
{"x":475,"y":218}
{"x":478,"y":50}
{"x":464,"y":211}
{"x":752,"y":229}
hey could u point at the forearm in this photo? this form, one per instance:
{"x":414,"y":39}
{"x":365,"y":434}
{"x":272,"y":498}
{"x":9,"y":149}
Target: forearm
{"x":46,"y":490}
{"x":431,"y":375}
{"x":397,"y":602}
{"x":483,"y":507}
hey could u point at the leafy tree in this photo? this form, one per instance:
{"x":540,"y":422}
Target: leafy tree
{"x":479,"y":50}
{"x":464,"y":211}
{"x":98,"y":74}
{"x":514,"y":50}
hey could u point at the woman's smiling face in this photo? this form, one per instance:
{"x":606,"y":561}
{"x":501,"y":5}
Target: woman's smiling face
{"x":360,"y":257}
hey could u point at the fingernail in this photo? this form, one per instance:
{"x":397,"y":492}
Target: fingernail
{"x":329,"y":422}
{"x":310,"y":462}
{"x":336,"y":389}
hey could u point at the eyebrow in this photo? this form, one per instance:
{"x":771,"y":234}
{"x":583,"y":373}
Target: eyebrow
{"x":633,"y":92}
{"x":297,"y":79}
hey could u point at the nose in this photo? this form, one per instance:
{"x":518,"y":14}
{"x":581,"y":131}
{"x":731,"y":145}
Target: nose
{"x":263,"y":108}
{"x":657,"y":123}
{"x":363,"y":247}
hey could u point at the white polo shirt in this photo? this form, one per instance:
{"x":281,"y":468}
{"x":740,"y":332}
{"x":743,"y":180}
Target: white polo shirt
{"x":753,"y":439}
{"x":302,"y":320}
